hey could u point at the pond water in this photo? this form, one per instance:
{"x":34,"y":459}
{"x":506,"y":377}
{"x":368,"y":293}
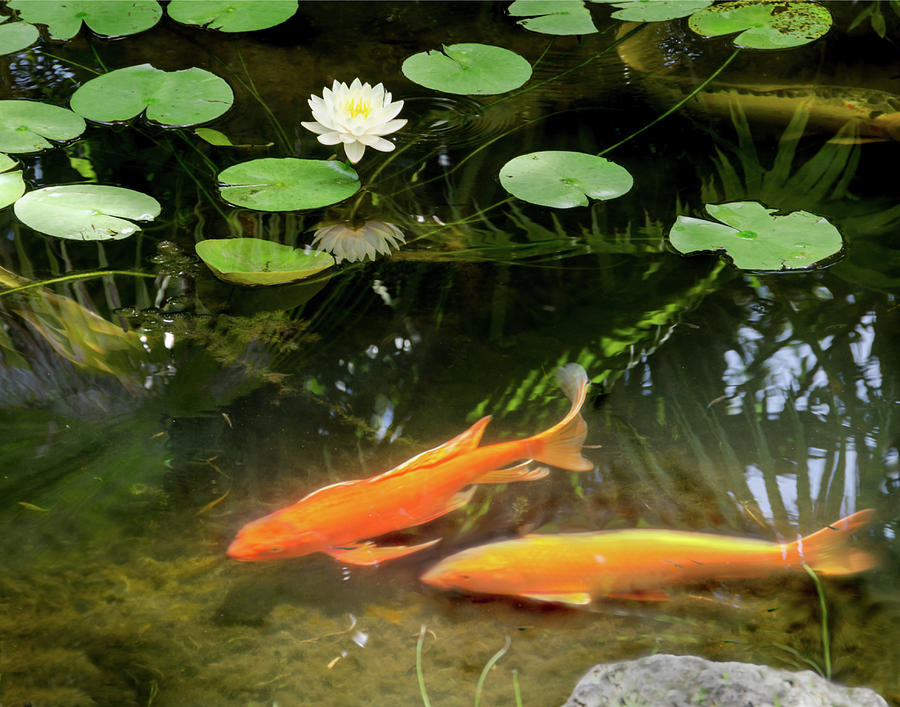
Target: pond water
{"x":723,"y":400}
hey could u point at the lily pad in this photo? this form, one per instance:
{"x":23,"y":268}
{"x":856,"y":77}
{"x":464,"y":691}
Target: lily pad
{"x":654,"y":10}
{"x":172,"y":98}
{"x":232,"y":15}
{"x":12,"y":186}
{"x":26,"y":125}
{"x":252,"y":261}
{"x":87,"y":212}
{"x":468,"y":69}
{"x":15,"y":36}
{"x":755,"y":239}
{"x":219,"y":139}
{"x":553,"y":16}
{"x":110,"y":18}
{"x":763,"y":25}
{"x":287,"y":183}
{"x":564,"y":179}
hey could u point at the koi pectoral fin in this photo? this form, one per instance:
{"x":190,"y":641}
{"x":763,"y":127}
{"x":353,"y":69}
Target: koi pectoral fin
{"x":368,"y":553}
{"x":520,"y":472}
{"x":572,"y":598}
{"x":457,"y":501}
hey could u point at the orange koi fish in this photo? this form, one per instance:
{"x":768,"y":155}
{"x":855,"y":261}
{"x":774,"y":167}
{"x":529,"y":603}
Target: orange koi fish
{"x":634,"y":564}
{"x":337,"y":518}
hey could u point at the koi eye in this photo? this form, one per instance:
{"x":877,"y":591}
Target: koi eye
{"x":275,"y":550}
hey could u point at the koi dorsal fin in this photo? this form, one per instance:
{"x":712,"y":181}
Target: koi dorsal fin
{"x":461,"y":444}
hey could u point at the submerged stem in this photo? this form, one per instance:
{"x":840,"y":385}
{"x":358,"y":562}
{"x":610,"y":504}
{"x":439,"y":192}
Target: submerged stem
{"x":558,"y":76}
{"x":251,"y":87}
{"x":64,"y":60}
{"x":826,"y":639}
{"x":676,"y":106}
{"x":73,"y":277}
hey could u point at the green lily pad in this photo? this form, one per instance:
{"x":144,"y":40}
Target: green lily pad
{"x":763,"y":25}
{"x":15,"y":36}
{"x":12,"y":186}
{"x":252,"y":261}
{"x":654,"y":10}
{"x":232,"y":15}
{"x":110,"y":18}
{"x":172,"y":98}
{"x":563,"y":179}
{"x":86,"y":212}
{"x":755,"y":239}
{"x":26,"y":125}
{"x":219,"y":139}
{"x":553,"y":16}
{"x":287,"y":183}
{"x":468,"y":69}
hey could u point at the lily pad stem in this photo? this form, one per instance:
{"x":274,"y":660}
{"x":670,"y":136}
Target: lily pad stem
{"x":68,"y":61}
{"x":73,"y":277}
{"x":97,"y":56}
{"x":190,"y":174}
{"x":677,"y":105}
{"x":251,"y":86}
{"x":568,"y":71}
{"x":471,"y":217}
{"x":366,"y":190}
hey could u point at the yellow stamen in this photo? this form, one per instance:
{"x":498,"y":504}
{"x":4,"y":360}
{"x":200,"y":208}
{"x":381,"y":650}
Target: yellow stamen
{"x":358,"y":108}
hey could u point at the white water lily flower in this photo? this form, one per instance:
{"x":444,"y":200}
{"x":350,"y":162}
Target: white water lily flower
{"x":357,"y":116}
{"x":347,"y":243}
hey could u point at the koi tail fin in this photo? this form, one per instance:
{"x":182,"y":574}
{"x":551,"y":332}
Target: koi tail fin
{"x":826,"y":550}
{"x":561,"y":444}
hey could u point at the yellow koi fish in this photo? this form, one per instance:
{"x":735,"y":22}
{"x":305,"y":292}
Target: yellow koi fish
{"x":635,"y":564}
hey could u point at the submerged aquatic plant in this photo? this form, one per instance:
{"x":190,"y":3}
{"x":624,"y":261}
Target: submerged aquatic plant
{"x":357,"y":115}
{"x":347,"y":242}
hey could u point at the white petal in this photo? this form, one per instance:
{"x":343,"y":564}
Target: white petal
{"x":355,"y":151}
{"x":326,"y":120}
{"x":378,"y":143}
{"x":315,"y":127}
{"x":329,"y":138}
{"x":390,"y":111}
{"x":389,"y":127}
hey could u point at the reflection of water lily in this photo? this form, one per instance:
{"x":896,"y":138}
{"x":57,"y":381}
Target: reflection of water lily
{"x":356,"y":115}
{"x":348,"y":243}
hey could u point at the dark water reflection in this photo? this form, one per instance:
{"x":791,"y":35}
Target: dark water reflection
{"x":723,"y":401}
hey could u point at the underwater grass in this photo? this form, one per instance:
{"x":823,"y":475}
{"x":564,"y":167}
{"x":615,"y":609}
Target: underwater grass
{"x":492,"y":661}
{"x":419,"y":674}
{"x":823,"y":606}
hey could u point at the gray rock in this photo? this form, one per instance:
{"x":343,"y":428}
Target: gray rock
{"x":689,"y":681}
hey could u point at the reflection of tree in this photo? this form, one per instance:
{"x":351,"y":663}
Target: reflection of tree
{"x":820,"y":184}
{"x":784,"y":410}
